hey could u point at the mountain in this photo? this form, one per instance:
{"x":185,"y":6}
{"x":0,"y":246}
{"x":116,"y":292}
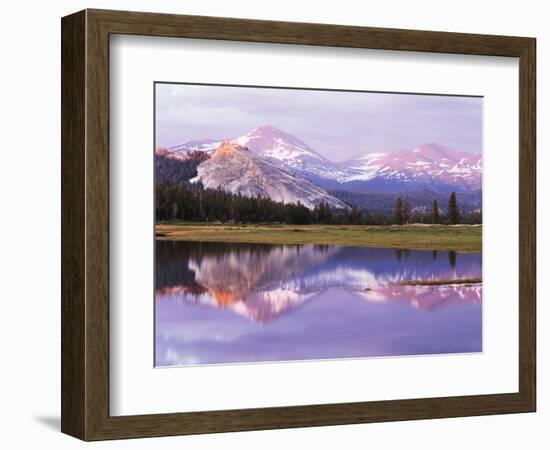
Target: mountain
{"x":286,"y":150}
{"x":204,"y":145}
{"x":292,"y":153}
{"x":236,"y":169}
{"x":430,"y":166}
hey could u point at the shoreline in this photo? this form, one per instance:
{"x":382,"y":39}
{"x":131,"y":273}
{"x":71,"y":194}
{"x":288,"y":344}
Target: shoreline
{"x":465,"y":281}
{"x":458,"y":238}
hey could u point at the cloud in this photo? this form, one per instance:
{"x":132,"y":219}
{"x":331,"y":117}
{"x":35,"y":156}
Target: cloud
{"x":338,"y":124}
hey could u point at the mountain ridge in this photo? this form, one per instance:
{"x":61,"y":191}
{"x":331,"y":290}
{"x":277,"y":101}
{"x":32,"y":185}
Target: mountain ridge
{"x":431,"y":166}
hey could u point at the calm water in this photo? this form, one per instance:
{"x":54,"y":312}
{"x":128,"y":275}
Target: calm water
{"x":229,"y":303}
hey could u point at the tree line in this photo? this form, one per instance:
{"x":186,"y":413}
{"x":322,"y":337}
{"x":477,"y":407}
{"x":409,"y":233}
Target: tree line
{"x":194,"y":203}
{"x":403,"y":213}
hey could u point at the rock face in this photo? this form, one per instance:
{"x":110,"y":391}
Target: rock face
{"x":236,"y":169}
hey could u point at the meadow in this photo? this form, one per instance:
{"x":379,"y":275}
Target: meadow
{"x":463,"y":238}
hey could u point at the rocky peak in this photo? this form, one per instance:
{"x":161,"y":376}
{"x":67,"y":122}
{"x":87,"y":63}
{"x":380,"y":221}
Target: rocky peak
{"x":227,"y":148}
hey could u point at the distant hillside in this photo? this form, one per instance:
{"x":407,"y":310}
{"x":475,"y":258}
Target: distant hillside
{"x":384,"y":202}
{"x":177,"y":169}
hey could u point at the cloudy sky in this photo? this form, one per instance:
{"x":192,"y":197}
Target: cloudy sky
{"x":339,"y":125}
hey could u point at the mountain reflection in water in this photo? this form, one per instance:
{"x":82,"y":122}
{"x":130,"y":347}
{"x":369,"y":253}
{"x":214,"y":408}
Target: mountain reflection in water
{"x":226,"y":303}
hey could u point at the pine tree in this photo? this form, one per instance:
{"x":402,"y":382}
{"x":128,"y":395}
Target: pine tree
{"x":435,"y":212}
{"x":174,"y":210}
{"x":406,"y":211}
{"x":453,"y":213}
{"x":398,"y":214}
{"x":355,"y":215}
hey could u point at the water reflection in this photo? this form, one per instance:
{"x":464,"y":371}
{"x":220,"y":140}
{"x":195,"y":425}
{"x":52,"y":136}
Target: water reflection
{"x":219,"y":303}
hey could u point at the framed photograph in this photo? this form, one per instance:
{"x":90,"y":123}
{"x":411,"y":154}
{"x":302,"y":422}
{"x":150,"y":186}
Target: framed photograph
{"x":271,"y":224}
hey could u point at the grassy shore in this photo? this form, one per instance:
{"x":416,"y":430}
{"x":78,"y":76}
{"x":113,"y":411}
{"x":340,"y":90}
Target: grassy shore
{"x":441,"y":282}
{"x":433,"y":237}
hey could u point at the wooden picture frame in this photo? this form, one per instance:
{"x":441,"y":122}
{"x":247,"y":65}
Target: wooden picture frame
{"x":85,"y":224}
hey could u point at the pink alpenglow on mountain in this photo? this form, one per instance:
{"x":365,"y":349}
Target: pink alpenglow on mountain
{"x":430,"y":163}
{"x":271,"y":142}
{"x":430,"y":166}
{"x":236,"y":169}
{"x":283,"y":148}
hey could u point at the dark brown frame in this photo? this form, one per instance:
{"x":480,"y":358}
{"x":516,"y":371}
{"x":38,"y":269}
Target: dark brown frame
{"x":85,"y":224}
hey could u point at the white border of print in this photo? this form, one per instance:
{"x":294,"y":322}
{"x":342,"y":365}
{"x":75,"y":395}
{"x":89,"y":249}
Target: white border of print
{"x":136,"y":387}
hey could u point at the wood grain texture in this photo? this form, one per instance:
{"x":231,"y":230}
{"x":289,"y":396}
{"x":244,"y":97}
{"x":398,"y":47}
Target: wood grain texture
{"x":527,"y":224}
{"x":97,"y":225}
{"x":73,"y":129}
{"x":85,"y":224}
{"x":267,"y":31}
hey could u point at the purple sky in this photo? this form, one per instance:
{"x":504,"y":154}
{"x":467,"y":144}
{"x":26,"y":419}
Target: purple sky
{"x":339,"y":125}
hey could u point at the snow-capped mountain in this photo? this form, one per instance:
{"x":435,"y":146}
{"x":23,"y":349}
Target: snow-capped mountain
{"x":236,"y":169}
{"x":430,"y":166}
{"x":291,"y":152}
{"x":270,"y":142}
{"x":203,"y":145}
